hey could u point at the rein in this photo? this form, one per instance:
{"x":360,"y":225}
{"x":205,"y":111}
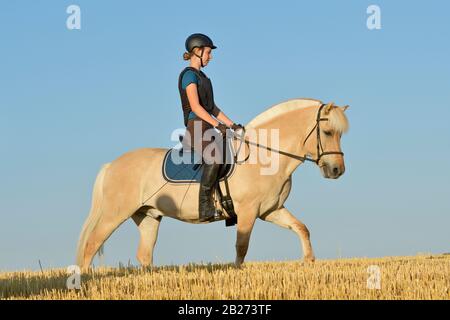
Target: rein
{"x":320,"y":151}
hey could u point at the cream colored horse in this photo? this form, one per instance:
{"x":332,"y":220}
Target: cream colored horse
{"x":132,"y":186}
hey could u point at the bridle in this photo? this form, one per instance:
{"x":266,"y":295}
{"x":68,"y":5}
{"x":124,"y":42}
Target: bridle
{"x":320,"y":152}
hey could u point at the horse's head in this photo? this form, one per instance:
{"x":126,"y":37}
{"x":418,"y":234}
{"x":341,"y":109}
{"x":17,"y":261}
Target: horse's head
{"x":324,"y":141}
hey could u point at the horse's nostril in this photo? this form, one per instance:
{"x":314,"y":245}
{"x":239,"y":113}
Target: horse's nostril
{"x":335,"y":170}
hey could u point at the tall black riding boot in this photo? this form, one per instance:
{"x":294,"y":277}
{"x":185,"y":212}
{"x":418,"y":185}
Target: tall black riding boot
{"x":207,"y":210}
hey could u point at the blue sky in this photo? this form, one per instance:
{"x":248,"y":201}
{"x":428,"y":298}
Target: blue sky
{"x":72,"y":100}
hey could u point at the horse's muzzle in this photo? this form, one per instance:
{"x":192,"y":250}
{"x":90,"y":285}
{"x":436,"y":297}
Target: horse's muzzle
{"x":332,"y":171}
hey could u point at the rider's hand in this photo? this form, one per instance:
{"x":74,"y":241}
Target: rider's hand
{"x":235,"y":126}
{"x":222,"y":128}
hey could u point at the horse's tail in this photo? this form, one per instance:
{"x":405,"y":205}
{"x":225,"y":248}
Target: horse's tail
{"x":94,"y":214}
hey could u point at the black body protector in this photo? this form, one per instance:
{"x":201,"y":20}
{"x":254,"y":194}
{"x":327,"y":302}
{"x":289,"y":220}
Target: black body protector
{"x":205,"y":94}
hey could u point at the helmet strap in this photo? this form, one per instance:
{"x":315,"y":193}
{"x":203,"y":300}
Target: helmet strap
{"x":201,"y":56}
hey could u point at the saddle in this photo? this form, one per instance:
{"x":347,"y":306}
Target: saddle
{"x":183,"y":166}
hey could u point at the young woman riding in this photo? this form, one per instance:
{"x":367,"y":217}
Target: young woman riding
{"x":200,"y":111}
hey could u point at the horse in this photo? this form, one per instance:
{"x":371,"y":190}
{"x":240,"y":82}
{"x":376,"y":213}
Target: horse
{"x":131,"y":185}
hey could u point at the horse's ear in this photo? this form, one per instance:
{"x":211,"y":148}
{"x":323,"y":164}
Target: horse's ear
{"x":328,"y":107}
{"x":345,"y":107}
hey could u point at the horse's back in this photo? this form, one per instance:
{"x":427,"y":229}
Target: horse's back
{"x":126,"y":172}
{"x":141,"y":154}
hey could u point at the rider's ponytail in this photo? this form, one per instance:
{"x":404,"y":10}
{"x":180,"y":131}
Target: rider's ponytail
{"x":187,"y":55}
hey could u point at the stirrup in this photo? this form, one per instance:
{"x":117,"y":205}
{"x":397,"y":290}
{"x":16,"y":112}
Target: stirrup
{"x":218,"y":215}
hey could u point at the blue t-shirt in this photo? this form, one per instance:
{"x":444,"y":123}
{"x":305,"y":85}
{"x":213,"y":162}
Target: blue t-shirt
{"x":188,"y":78}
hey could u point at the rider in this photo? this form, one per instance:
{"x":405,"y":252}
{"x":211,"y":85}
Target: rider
{"x":198,"y":105}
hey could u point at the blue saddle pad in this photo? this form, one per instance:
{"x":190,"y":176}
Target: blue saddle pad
{"x":185,"y":166}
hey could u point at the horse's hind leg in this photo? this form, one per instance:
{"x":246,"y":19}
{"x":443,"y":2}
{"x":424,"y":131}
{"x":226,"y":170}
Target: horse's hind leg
{"x":285,"y":219}
{"x":102,"y":231}
{"x":148,"y":228}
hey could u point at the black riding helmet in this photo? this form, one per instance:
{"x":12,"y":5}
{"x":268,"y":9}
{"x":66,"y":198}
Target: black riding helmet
{"x":199,"y":40}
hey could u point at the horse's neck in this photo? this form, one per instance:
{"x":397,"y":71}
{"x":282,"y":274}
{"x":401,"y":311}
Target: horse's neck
{"x":293,"y":127}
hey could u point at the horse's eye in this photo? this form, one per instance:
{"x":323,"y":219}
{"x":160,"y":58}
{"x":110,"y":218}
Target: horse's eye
{"x":328,"y":133}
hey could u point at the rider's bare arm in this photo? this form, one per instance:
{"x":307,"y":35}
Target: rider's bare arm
{"x":224,"y":119}
{"x":191,"y":91}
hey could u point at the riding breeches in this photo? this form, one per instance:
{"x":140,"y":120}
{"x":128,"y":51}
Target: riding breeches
{"x":204,"y":140}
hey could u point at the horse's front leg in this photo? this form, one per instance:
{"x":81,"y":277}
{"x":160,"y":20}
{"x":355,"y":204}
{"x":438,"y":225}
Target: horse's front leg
{"x":285,"y":219}
{"x":245,"y":223}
